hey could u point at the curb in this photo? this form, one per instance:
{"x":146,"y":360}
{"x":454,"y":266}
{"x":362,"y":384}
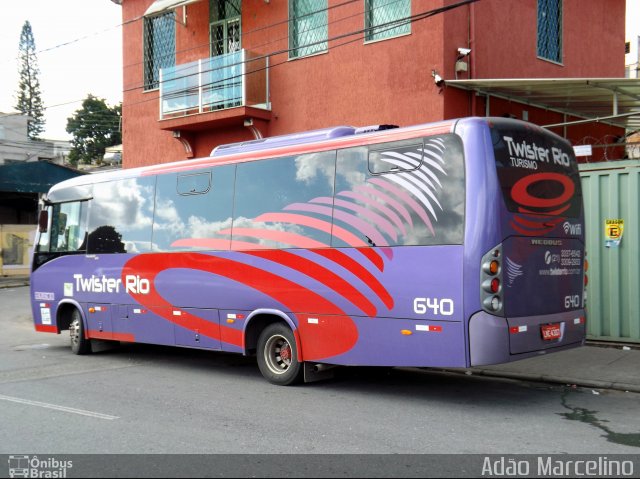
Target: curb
{"x":531,"y":377}
{"x":586,"y":383}
{"x":14,"y":283}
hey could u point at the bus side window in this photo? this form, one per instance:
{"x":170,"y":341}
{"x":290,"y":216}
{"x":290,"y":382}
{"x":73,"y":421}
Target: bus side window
{"x":285,"y":202}
{"x":121,"y":216}
{"x":405,"y":193}
{"x":193,"y":210}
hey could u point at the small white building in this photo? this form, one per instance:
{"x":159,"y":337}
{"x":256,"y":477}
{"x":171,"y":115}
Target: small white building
{"x":15,"y":144}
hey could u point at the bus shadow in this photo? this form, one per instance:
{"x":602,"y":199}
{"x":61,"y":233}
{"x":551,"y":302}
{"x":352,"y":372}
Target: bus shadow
{"x":393,"y":383}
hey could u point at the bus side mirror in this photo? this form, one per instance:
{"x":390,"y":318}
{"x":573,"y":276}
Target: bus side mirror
{"x":43,"y":221}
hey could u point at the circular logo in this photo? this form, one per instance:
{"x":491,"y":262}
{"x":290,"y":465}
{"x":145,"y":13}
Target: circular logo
{"x":520,"y":191}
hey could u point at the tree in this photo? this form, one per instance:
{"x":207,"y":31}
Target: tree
{"x":94,"y":127}
{"x":29,"y":94}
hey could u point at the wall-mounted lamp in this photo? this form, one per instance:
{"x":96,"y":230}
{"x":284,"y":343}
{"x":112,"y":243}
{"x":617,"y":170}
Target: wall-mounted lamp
{"x":461,"y":65}
{"x":437,"y":78}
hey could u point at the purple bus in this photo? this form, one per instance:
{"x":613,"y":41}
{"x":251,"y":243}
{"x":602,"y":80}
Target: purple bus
{"x":453,"y":244}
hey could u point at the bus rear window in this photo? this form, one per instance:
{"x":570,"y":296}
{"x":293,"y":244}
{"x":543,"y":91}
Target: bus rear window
{"x":537,"y":171}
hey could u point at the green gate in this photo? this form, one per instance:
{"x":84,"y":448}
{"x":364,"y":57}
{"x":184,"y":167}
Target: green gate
{"x":612,"y":216}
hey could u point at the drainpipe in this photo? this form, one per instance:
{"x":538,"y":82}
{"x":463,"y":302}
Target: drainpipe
{"x":471,"y":42}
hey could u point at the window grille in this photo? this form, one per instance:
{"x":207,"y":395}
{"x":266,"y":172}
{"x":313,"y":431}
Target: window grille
{"x":387,"y":18}
{"x":225,"y":26}
{"x":159,"y":47}
{"x":307,"y":27}
{"x":550,"y":30}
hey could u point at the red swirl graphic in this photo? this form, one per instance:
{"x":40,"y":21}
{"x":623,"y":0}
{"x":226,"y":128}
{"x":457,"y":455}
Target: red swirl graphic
{"x":334,"y":334}
{"x":533,"y":206}
{"x":520,"y":193}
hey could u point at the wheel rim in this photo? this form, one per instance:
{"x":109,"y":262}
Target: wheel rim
{"x":278,"y":354}
{"x":74,"y":331}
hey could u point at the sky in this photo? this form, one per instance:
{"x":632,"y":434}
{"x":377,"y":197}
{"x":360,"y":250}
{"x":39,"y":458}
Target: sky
{"x":92,"y":63}
{"x":632,"y":29}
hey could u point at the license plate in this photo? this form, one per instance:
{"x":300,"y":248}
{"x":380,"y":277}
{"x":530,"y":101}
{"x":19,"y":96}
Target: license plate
{"x":550,"y":331}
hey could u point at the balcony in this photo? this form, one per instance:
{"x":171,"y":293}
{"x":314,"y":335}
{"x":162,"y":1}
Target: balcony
{"x":221,"y":90}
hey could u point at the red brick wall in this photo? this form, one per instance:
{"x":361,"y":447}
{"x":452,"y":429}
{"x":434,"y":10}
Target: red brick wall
{"x":387,"y":81}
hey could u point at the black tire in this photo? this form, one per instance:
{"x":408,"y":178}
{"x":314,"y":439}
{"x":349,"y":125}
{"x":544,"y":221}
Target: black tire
{"x":278,"y":355}
{"x":79,"y":343}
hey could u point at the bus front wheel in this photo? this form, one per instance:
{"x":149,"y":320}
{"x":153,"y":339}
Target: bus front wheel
{"x":278,"y":355}
{"x":79,"y":343}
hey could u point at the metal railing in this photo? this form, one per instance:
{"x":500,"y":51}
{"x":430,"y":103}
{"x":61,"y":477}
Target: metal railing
{"x":210,"y":84}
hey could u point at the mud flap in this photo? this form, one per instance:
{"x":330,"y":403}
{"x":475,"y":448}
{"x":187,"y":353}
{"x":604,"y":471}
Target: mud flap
{"x":317,"y":372}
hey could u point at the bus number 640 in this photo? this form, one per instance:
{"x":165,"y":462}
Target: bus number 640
{"x":443,"y":307}
{"x":572,"y":301}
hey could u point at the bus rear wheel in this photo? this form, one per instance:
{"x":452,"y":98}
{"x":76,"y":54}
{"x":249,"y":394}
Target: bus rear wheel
{"x":278,"y":355}
{"x":79,"y":343}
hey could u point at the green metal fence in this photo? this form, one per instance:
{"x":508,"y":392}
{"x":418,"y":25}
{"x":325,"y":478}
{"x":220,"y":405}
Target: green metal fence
{"x":612,"y":206}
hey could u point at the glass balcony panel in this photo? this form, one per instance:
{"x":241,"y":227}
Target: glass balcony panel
{"x":224,"y":81}
{"x":179,"y":89}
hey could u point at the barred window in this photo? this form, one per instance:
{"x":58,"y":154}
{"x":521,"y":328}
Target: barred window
{"x":550,"y":30}
{"x":387,"y":18}
{"x":307,"y":27}
{"x":159,"y":47}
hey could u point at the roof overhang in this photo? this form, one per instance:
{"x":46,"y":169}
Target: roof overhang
{"x":615,"y":101}
{"x":160,"y":6}
{"x":33,"y":176}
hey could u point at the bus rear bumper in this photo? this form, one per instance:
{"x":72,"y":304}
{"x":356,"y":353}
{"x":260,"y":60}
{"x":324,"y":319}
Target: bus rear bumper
{"x":494,"y":339}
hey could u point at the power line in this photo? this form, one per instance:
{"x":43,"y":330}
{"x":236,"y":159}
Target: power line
{"x":280,"y":39}
{"x":378,"y":28}
{"x":288,"y":20}
{"x":392,"y":25}
{"x":242,"y":34}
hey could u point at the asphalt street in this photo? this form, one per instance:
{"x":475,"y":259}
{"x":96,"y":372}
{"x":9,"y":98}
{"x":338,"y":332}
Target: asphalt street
{"x":148,"y":399}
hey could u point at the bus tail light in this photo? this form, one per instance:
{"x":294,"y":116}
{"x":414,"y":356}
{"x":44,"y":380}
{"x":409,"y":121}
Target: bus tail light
{"x":491,"y":285}
{"x":492,"y":304}
{"x":491,"y":281}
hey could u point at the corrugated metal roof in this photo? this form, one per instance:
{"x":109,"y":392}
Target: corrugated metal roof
{"x":611,"y":100}
{"x":33,"y":176}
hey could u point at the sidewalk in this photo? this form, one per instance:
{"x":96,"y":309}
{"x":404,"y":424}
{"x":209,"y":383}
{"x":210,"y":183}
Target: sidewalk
{"x":13,"y":281}
{"x":597,"y":366}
